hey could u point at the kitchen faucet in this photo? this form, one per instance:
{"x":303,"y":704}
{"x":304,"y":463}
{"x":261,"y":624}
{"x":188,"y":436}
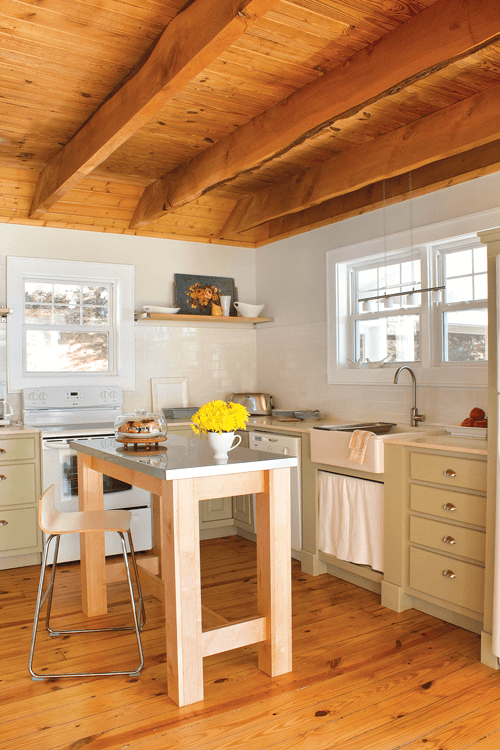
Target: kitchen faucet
{"x":415,"y":417}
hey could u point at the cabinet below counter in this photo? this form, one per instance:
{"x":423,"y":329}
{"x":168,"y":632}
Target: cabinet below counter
{"x":435,"y":528}
{"x":20,"y":537}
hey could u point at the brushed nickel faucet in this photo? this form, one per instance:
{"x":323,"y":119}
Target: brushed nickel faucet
{"x":415,"y":417}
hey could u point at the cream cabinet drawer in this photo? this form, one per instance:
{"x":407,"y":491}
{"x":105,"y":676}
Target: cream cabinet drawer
{"x":453,"y":472}
{"x":17,"y":484}
{"x":15,"y":450}
{"x":453,"y":581}
{"x":454,"y":506}
{"x":18,"y":529}
{"x":448,"y":538}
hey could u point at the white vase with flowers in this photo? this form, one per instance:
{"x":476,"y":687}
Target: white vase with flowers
{"x":218,"y":420}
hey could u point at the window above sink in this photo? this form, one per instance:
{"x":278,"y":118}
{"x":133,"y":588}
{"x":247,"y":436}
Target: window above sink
{"x":444,"y":338}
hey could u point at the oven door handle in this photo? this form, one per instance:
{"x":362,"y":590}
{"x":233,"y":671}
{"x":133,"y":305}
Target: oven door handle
{"x":56,"y":444}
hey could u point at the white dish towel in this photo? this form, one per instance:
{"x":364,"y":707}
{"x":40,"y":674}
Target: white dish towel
{"x":351,"y":519}
{"x":358,"y":445}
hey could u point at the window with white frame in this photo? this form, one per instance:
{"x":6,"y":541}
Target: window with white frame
{"x":72,"y":322}
{"x":463,"y":313}
{"x":381,"y":315}
{"x":68,"y":327}
{"x":382,"y":326}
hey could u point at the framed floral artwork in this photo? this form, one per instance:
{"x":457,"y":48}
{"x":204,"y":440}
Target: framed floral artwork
{"x":196,"y":294}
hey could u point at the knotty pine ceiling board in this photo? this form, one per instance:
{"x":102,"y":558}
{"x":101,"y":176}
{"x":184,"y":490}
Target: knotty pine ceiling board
{"x":422,"y":98}
{"x":235,"y":77}
{"x":44,"y":101}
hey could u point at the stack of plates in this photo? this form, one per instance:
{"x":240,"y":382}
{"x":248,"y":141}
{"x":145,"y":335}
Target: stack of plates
{"x":465,"y":432}
{"x":181,"y":412}
{"x":304,"y":414}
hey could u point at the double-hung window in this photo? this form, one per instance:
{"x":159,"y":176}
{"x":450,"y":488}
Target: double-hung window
{"x":462,"y":316}
{"x":382,"y":326}
{"x":72,"y":322}
{"x":68,"y":327}
{"x":379,"y":315}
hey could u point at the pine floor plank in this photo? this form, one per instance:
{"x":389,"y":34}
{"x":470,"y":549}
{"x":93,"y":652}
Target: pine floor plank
{"x":364,"y":678}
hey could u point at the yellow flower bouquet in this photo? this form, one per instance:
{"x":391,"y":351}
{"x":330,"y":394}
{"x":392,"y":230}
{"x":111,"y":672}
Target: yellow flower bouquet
{"x":219,"y":416}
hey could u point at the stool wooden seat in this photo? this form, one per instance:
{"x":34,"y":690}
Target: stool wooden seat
{"x":55,"y":523}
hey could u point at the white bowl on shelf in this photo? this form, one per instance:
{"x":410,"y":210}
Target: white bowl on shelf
{"x":164,"y":310}
{"x":248,"y":311}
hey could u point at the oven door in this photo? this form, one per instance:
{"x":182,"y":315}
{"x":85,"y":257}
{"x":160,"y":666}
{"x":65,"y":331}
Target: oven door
{"x":59,"y":467}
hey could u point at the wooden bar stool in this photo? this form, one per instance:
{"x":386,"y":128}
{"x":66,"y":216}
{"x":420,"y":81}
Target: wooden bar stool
{"x":54,"y":523}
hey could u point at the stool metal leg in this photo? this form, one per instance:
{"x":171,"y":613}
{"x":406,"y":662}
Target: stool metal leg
{"x":50,"y":590}
{"x":39,"y":603}
{"x":140,"y":605}
{"x":138,"y":614}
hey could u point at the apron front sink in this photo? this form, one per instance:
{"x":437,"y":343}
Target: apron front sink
{"x":330,"y":443}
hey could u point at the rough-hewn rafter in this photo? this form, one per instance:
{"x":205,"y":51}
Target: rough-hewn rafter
{"x":435,"y":176}
{"x":450,"y":131}
{"x":433,"y":39}
{"x":195,"y":37}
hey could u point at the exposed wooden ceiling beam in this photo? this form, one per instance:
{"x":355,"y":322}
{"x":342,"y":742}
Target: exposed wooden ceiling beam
{"x":462,"y":126}
{"x":195,"y":37}
{"x":452,"y":171}
{"x":436,"y":37}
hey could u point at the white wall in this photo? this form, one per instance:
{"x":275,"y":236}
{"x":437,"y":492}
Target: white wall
{"x":215,"y":360}
{"x":291,"y":279}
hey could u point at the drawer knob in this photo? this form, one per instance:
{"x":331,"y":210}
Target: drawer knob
{"x":449,"y":540}
{"x":450,"y":507}
{"x":2,"y":450}
{"x":4,"y":523}
{"x":2,"y":476}
{"x":449,"y":473}
{"x":449,"y":574}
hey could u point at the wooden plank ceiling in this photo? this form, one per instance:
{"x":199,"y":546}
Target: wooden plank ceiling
{"x":240,"y":121}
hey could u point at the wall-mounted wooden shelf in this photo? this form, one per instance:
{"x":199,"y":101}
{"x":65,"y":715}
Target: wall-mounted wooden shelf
{"x":195,"y":319}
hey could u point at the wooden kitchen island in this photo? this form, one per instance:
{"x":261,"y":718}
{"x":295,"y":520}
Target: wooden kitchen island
{"x":179,"y":479}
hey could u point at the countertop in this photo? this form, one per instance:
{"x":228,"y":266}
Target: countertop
{"x":184,"y":458}
{"x":15,"y":429}
{"x":446,"y":442}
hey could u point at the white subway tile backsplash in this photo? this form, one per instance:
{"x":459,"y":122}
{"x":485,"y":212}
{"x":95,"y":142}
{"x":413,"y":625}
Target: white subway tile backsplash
{"x":216,"y":362}
{"x":291,"y":364}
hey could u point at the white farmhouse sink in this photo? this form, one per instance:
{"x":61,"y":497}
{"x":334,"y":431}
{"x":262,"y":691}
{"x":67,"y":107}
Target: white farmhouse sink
{"x":329,"y":445}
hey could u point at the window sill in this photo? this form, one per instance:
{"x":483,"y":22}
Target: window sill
{"x":441,"y":377}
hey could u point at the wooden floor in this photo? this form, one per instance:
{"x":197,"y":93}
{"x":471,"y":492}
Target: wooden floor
{"x":364,"y":678}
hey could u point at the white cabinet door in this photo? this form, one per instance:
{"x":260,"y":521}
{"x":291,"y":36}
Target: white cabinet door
{"x":218,"y":509}
{"x":243,"y":511}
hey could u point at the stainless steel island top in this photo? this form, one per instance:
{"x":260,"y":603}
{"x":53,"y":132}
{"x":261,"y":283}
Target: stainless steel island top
{"x":184,"y":458}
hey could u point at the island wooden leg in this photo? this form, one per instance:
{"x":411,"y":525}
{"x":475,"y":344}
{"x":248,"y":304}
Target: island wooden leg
{"x":181,"y":575}
{"x":92,"y":555}
{"x":274,"y":585}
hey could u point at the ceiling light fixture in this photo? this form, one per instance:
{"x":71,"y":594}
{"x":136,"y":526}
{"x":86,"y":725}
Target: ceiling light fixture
{"x":388,"y":301}
{"x":411,"y":297}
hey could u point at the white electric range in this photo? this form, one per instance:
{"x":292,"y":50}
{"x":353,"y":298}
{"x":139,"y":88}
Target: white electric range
{"x":83,"y":412}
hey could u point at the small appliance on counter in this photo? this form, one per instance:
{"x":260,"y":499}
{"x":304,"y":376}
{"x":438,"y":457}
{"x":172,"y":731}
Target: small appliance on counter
{"x":256,"y":404}
{"x":6,"y":410}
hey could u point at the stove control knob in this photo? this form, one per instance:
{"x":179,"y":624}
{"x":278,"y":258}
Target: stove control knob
{"x":104,"y":395}
{"x":42,"y":396}
{"x":113,"y":394}
{"x":32,"y":396}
